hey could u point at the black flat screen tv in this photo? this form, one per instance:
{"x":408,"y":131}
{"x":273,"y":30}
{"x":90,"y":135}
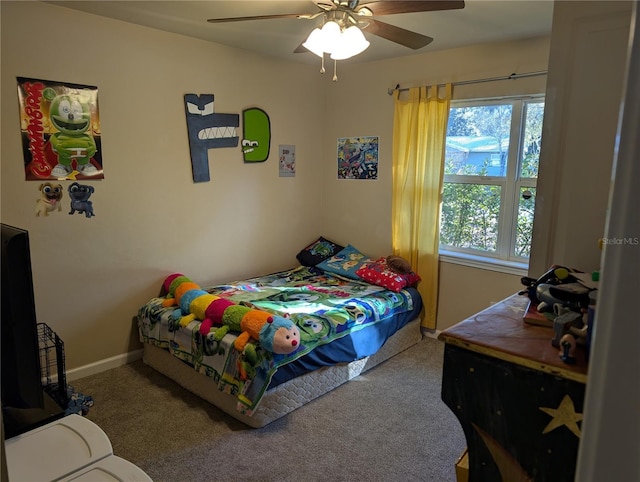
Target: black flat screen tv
{"x":21,"y":375}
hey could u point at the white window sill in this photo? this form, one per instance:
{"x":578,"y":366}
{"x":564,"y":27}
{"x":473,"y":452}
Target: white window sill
{"x":483,"y":262}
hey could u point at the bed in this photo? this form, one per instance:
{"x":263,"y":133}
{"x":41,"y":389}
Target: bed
{"x":346,"y":326}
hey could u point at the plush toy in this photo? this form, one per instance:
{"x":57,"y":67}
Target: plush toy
{"x":275,"y":333}
{"x":398,"y":264}
{"x":169,"y":286}
{"x":205,"y":307}
{"x":183,"y":289}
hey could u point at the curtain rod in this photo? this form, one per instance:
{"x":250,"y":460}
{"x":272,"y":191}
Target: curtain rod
{"x":513,"y":76}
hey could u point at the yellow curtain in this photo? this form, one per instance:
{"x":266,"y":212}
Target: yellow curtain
{"x":419,"y":133}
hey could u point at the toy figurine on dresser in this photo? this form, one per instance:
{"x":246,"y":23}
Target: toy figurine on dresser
{"x":563,"y":297}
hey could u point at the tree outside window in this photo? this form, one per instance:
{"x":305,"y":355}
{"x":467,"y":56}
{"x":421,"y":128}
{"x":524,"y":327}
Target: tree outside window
{"x":491,"y":169}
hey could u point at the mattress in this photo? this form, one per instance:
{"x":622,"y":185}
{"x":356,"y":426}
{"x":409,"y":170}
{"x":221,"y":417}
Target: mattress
{"x":345,"y":327}
{"x":287,"y":396}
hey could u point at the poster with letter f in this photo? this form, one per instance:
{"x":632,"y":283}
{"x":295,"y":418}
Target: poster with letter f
{"x":60,"y":129}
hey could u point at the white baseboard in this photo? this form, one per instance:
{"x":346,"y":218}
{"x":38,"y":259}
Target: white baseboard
{"x":103,"y":365}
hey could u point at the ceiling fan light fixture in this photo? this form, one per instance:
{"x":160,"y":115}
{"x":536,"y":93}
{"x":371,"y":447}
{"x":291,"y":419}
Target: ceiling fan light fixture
{"x":315,"y":43}
{"x":343,"y":21}
{"x":332,"y":39}
{"x":324,"y":40}
{"x":352,"y":42}
{"x":331,"y":36}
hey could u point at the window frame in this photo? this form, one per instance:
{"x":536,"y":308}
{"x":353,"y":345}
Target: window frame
{"x":511,"y":184}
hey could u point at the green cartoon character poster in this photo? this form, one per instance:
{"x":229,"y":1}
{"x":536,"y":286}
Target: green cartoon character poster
{"x":60,"y":128}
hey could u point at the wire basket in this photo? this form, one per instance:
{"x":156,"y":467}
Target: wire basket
{"x":52,"y":365}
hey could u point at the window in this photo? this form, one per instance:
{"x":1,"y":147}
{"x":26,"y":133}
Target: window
{"x":490,"y":174}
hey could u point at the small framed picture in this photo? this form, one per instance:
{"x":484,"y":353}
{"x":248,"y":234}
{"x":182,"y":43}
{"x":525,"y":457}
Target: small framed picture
{"x":358,"y":157}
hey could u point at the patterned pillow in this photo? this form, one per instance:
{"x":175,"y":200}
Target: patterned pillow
{"x":318,"y":251}
{"x":378,"y":273}
{"x":346,"y":262}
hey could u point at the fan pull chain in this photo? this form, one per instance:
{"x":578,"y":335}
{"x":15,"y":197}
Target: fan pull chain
{"x":335,"y":70}
{"x":322,"y":64}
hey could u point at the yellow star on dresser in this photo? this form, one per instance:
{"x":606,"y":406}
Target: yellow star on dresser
{"x":565,"y":414}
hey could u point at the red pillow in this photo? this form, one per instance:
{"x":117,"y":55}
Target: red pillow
{"x":379,"y":274}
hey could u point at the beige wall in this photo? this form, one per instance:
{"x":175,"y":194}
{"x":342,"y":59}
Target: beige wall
{"x":91,"y":275}
{"x":464,"y":291}
{"x":586,"y":69}
{"x":358,"y":104}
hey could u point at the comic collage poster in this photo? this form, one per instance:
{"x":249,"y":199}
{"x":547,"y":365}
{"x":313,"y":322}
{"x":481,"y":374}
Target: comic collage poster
{"x":358,"y":157}
{"x":60,"y":129}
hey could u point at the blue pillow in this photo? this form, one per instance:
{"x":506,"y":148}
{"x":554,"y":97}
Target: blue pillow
{"x":345,"y":262}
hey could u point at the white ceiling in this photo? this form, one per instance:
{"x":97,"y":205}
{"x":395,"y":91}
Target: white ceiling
{"x":480,"y":21}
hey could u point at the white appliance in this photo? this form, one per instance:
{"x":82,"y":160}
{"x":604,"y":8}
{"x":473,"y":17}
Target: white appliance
{"x":71,"y":448}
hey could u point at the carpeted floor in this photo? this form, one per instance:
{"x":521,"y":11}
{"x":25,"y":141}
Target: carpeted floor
{"x":388,"y":424}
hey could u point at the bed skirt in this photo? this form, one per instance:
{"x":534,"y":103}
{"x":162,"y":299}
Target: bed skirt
{"x":287,"y":396}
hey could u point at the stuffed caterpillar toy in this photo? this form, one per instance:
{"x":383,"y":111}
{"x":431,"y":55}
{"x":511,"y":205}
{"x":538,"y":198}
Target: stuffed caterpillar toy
{"x":275,"y":333}
{"x":169,"y":287}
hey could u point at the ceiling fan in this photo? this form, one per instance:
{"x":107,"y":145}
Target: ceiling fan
{"x":353,"y":17}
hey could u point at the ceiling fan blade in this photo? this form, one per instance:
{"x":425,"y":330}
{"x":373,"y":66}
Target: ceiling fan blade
{"x":259,"y":17}
{"x":300,"y":49}
{"x":389,"y":7}
{"x":398,"y":35}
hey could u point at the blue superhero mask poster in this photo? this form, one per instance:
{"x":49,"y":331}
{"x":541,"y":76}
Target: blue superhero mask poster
{"x":60,"y":129}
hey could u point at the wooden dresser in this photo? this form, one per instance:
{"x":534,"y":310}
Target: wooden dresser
{"x":519,"y":404}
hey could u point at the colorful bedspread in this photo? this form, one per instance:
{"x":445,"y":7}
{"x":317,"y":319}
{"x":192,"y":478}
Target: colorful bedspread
{"x":324,"y":306}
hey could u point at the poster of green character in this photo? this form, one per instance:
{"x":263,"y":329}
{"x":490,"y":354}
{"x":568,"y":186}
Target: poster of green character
{"x":60,"y":128}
